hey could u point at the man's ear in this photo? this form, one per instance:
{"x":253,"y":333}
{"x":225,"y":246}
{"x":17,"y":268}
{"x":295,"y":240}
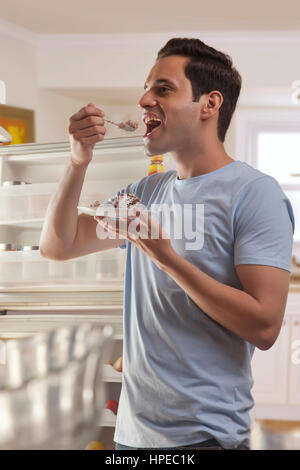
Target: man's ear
{"x":211,"y":104}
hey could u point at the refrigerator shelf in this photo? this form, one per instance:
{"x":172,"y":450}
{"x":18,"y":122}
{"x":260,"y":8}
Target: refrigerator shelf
{"x":59,"y":152}
{"x":26,"y":205}
{"x":110,"y":374}
{"x":29,"y":268}
{"x":27,"y":325}
{"x":108,"y":418}
{"x":24,"y":202}
{"x":27,"y":189}
{"x":104,"y":298}
{"x":35,"y":287}
{"x":35,"y":223}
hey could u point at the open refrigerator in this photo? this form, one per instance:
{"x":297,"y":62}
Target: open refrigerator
{"x":39,"y":295}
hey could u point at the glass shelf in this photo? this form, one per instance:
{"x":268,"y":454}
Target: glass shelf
{"x":52,"y":152}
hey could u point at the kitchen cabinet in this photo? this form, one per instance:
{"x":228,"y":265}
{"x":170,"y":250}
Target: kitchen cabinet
{"x":294,"y":389}
{"x":270,"y":371}
{"x":276,"y":372}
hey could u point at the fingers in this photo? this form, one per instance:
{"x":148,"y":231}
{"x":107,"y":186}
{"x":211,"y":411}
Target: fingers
{"x":89,"y":132}
{"x":87,"y":122}
{"x":111,"y":226}
{"x":87,"y":128}
{"x":88,"y":110}
{"x":117,"y":228}
{"x":131,"y":228}
{"x":117,"y":225}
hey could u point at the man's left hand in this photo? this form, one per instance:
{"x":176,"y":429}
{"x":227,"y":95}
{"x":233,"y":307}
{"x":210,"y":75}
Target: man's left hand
{"x":144,"y":232}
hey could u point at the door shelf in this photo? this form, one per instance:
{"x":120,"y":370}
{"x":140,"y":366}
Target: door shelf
{"x":108,"y":418}
{"x":110,"y":374}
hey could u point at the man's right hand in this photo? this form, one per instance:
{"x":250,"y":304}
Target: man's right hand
{"x":85,"y":130}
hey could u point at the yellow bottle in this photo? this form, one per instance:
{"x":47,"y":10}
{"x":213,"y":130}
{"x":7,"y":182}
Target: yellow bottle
{"x":156,"y":164}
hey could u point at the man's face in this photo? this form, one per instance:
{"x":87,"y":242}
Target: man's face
{"x":169,"y":100}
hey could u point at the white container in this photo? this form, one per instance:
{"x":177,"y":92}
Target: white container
{"x":109,"y":265}
{"x":29,"y":201}
{"x":14,"y":183}
{"x":28,"y":266}
{"x":9,"y":247}
{"x":11,"y":205}
{"x":35,"y":268}
{"x":81,"y":271}
{"x":11,"y":272}
{"x":61,"y":271}
{"x":25,"y":201}
{"x":84,"y":269}
{"x":19,"y":267}
{"x":10,"y":263}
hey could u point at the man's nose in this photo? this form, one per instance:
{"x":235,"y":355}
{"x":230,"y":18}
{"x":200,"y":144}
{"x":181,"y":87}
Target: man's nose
{"x":147,"y":100}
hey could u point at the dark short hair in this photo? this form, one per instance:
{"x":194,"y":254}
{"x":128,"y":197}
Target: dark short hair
{"x":208,"y":70}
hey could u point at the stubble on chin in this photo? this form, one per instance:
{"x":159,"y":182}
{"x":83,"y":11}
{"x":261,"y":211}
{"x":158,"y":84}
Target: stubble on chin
{"x":150,"y":151}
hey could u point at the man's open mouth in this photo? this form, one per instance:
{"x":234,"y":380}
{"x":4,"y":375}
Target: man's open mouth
{"x":152,"y":124}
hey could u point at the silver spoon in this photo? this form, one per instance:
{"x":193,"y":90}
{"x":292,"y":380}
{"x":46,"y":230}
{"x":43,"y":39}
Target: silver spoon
{"x":129,"y":125}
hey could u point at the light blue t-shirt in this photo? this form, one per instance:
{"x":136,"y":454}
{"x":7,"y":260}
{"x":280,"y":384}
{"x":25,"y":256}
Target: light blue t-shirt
{"x":186,"y":378}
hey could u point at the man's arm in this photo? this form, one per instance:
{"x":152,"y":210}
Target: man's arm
{"x":66,"y":235}
{"x":255,"y":314}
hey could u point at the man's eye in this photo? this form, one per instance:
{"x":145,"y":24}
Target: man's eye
{"x":163,"y":89}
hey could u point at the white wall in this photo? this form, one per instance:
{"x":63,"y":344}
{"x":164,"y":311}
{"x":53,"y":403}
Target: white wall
{"x":18,"y":71}
{"x":54,"y":111}
{"x":52,"y":114}
{"x":267,"y":63}
{"x":264,"y":59}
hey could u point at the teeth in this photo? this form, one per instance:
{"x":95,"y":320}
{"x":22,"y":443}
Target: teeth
{"x":149,"y":119}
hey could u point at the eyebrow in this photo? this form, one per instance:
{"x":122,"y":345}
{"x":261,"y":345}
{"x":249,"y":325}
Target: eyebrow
{"x":160,"y":81}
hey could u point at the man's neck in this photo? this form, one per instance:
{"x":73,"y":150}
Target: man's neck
{"x":189,"y":166}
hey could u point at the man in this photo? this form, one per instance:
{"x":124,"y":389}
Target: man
{"x":193,"y":313}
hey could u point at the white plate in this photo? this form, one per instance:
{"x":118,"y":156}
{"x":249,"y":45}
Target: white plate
{"x":107,"y":211}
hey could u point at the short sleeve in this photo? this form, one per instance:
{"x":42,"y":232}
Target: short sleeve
{"x":263,"y":225}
